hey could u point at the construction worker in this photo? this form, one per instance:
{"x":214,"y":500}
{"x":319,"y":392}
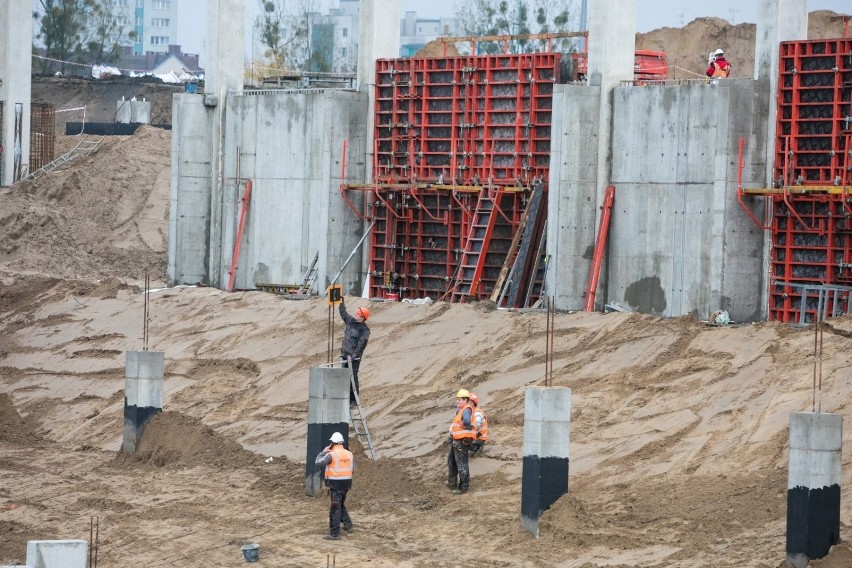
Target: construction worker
{"x":717,"y":66}
{"x":355,"y":338}
{"x":339,"y":467}
{"x":462,"y":435}
{"x":481,"y":423}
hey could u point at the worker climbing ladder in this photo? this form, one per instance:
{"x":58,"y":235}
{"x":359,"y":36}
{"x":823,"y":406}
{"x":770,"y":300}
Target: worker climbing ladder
{"x":356,"y":415}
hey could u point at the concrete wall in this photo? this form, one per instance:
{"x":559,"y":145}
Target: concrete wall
{"x":190,"y":197}
{"x":290,"y":145}
{"x":680,"y":244}
{"x":572,"y":194}
{"x":15,"y":71}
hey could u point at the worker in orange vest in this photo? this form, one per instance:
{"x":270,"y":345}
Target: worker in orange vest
{"x":339,"y":467}
{"x":462,"y":435}
{"x":717,"y":66}
{"x":481,"y":423}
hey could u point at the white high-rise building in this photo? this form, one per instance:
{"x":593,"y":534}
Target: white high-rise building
{"x":154,"y":23}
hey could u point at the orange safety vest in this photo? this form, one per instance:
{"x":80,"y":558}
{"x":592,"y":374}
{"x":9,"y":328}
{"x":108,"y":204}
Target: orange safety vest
{"x":481,"y":424}
{"x":340,"y":467}
{"x":457,"y":429}
{"x":720,"y":71}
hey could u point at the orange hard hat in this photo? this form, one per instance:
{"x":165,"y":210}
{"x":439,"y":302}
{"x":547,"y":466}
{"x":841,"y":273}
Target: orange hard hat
{"x":475,"y":398}
{"x":363,"y":312}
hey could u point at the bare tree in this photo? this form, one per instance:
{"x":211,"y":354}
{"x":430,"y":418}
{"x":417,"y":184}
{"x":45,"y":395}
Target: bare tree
{"x":83,"y":31}
{"x":515,"y":17}
{"x":297,"y":38}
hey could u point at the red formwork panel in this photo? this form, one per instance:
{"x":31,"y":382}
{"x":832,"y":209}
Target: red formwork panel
{"x":420,"y":236}
{"x":814,"y":128}
{"x":811,"y":246}
{"x":464,"y":120}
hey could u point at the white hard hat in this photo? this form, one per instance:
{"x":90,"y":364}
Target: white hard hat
{"x":336,"y":438}
{"x":718,"y":52}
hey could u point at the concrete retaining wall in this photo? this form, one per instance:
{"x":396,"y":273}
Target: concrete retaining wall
{"x":680,"y":244}
{"x":290,"y":144}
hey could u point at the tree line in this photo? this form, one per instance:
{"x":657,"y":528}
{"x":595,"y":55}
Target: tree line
{"x":82,"y":31}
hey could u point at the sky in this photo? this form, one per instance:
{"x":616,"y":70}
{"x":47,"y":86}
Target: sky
{"x":650,"y":14}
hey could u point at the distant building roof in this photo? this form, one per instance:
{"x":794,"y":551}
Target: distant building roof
{"x":172,"y":60}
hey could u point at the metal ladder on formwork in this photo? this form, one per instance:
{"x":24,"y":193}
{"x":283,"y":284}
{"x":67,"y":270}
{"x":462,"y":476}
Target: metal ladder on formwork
{"x":356,"y":415}
{"x":309,"y":276}
{"x":83,"y":148}
{"x":476,"y":247}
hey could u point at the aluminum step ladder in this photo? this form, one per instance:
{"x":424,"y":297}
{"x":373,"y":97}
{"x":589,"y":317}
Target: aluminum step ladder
{"x":309,"y":277}
{"x":83,"y":148}
{"x":356,"y":415}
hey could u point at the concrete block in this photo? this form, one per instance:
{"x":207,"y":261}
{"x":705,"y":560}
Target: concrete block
{"x":140,"y":112}
{"x":123,"y":112}
{"x":57,"y":553}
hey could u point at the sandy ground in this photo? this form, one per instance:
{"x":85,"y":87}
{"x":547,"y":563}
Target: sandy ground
{"x":678,"y":442}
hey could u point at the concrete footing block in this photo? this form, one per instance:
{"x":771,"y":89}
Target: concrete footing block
{"x":547,"y":433}
{"x":57,"y":553}
{"x":328,"y":412}
{"x":143,"y":394}
{"x":813,"y":486}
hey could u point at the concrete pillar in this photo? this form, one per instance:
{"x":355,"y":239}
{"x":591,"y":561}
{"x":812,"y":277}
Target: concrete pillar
{"x":57,"y":553}
{"x":123,"y":111}
{"x":328,"y":412}
{"x":813,"y":486}
{"x":143,"y":394}
{"x":16,"y":41}
{"x":777,"y":21}
{"x":378,"y":30}
{"x":223,"y":73}
{"x":612,"y":53}
{"x":547,"y":434}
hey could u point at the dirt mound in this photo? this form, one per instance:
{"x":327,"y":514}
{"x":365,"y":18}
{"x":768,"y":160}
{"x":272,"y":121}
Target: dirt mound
{"x":687,"y":48}
{"x":14,"y":430}
{"x":102,"y":216}
{"x":173,"y":440}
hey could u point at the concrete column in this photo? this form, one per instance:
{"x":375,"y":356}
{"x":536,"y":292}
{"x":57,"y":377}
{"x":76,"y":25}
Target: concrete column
{"x":223,"y":73}
{"x":328,"y":412}
{"x":777,"y":21}
{"x":378,"y":30}
{"x":143,"y":394}
{"x":612,"y":53}
{"x":16,"y":41}
{"x":813,"y":486}
{"x":547,"y":434}
{"x":57,"y":553}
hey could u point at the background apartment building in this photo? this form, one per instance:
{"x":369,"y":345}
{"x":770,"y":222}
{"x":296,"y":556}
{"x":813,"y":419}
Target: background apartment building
{"x":153,"y":21}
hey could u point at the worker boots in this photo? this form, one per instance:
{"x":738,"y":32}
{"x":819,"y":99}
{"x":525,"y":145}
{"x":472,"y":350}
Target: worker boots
{"x":452,"y":483}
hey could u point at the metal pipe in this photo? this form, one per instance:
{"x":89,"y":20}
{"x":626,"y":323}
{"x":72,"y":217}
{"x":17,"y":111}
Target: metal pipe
{"x":351,"y":254}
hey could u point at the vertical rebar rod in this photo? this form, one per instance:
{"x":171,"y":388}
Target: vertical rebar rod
{"x":146,"y":307}
{"x":97,"y":540}
{"x":91,"y":541}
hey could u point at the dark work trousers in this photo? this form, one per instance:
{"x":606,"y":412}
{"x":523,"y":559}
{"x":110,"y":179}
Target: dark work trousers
{"x":457,"y":464}
{"x":356,"y":363}
{"x":337,"y":513}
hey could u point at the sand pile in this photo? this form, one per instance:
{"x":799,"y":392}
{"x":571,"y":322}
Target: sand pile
{"x":687,"y":48}
{"x":103,"y":215}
